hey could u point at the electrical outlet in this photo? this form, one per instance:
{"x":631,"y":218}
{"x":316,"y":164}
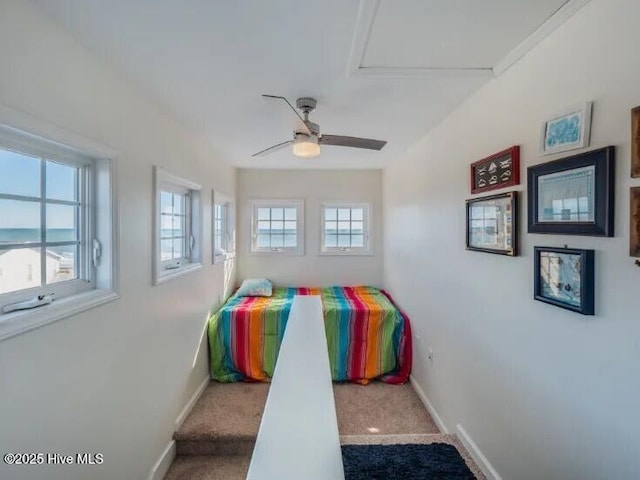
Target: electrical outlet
{"x":430,"y":355}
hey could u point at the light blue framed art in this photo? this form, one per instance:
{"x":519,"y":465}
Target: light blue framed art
{"x":567,"y":130}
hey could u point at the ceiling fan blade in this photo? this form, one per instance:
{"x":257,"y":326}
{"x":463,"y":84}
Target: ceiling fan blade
{"x":275,"y":148}
{"x":355,"y":142}
{"x":303,"y":125}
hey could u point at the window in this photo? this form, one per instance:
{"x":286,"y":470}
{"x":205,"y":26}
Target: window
{"x":177,"y":246}
{"x":278,"y":227}
{"x":345,"y":229}
{"x":224,"y":230}
{"x":175,"y":233}
{"x":43,"y":230}
{"x":56,"y":231}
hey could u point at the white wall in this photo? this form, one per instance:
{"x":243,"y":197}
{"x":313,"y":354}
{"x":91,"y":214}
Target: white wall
{"x":113,"y":379}
{"x":544,"y":392}
{"x":314,"y":186}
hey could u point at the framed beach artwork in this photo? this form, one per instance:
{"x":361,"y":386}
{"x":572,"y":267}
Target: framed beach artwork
{"x":564,"y":277}
{"x":567,"y":130}
{"x":499,"y":170}
{"x":573,"y":195}
{"x":492,"y":224}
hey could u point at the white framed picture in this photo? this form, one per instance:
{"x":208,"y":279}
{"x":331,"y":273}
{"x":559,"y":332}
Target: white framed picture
{"x":566,"y":130}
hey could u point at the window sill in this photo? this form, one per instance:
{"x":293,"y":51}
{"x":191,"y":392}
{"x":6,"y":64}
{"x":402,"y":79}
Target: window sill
{"x":275,"y":253}
{"x":15,"y":323}
{"x":167,"y":275}
{"x":223,"y":258}
{"x":338,"y":253}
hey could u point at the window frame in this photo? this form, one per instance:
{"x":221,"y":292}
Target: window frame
{"x":34,"y":138}
{"x":166,"y":270}
{"x":85,"y":271}
{"x":367,"y":248}
{"x":298,"y":204}
{"x":228,"y":221}
{"x":185,"y":257}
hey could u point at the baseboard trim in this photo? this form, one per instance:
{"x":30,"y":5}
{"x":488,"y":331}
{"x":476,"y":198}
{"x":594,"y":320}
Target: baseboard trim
{"x":161,"y":467}
{"x":192,"y":401}
{"x":430,"y":408}
{"x":477,"y":455}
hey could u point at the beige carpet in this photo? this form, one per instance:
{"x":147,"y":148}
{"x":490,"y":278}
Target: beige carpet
{"x":235,"y":409}
{"x":209,"y":467}
{"x":224,"y":421}
{"x":232,"y":409}
{"x":380,"y":409}
{"x":216,"y":440}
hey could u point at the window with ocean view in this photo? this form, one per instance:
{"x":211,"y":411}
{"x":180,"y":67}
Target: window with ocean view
{"x":173,"y":233}
{"x":58,"y":248}
{"x":177,"y":231}
{"x":345,"y":228}
{"x":278,"y":226}
{"x":43,"y":230}
{"x":223,"y":227}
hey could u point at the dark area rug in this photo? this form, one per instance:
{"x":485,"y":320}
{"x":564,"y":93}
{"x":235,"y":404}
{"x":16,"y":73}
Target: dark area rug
{"x":435,"y":461}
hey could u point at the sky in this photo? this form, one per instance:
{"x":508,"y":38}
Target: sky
{"x":20,"y":175}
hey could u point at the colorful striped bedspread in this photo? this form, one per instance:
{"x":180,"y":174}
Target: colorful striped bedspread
{"x":367,"y":336}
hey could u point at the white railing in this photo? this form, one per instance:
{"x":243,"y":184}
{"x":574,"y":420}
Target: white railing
{"x":298,"y":436}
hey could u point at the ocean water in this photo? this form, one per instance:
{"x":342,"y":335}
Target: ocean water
{"x":286,"y":237}
{"x":22,"y":235}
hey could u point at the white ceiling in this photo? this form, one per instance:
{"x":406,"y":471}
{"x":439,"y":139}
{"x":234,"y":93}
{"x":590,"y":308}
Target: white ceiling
{"x":208,"y":62}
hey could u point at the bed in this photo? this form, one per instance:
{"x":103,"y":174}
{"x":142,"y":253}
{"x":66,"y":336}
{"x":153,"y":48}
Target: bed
{"x":367,"y":336}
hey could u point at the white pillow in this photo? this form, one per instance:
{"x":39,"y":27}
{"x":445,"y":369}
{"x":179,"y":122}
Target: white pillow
{"x":255,"y":287}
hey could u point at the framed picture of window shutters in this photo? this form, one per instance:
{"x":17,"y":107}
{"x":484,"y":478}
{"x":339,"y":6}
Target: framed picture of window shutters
{"x":492,"y":224}
{"x":499,"y":170}
{"x":573,"y":195}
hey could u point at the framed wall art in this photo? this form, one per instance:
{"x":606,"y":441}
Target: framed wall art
{"x":564,"y":277}
{"x":635,"y":142}
{"x":492,"y":224}
{"x":497,"y":171}
{"x":573,"y":195}
{"x":634,"y":248}
{"x":567,"y":130}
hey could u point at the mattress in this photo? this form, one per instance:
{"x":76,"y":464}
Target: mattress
{"x":367,"y":336}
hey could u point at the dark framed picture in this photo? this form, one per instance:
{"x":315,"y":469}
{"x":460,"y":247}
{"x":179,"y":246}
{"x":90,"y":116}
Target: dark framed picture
{"x":635,"y":142}
{"x":564,"y":277}
{"x":492,"y":224}
{"x":497,"y":171}
{"x":634,"y":243}
{"x":573,"y":195}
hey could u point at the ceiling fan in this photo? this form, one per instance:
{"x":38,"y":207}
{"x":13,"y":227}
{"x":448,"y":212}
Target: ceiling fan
{"x":307,"y":137}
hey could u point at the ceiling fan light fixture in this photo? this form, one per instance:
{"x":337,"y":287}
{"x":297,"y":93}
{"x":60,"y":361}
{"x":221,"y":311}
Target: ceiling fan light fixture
{"x":306,"y":146}
{"x":306,"y":138}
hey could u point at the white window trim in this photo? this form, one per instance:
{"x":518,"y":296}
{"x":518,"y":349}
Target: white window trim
{"x":229,"y":221}
{"x":353,"y":251}
{"x":265,"y":203}
{"x":162,"y":179}
{"x":24,"y":133}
